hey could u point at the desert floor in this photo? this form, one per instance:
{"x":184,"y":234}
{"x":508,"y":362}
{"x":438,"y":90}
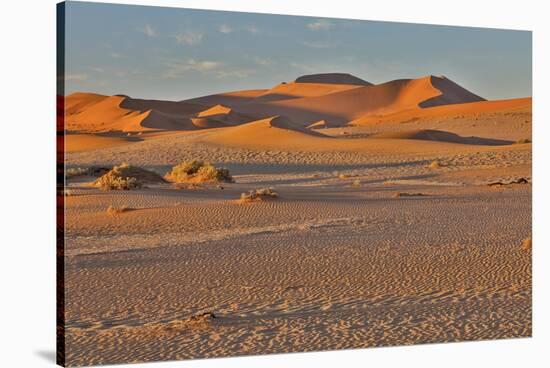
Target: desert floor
{"x":330,"y":264}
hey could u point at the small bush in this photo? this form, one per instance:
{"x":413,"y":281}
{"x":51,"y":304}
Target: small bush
{"x":113,"y":211}
{"x":198,"y":171}
{"x":76,"y":171}
{"x":258,"y":195}
{"x":434,"y":165}
{"x":118,"y":179}
{"x":356,"y":183}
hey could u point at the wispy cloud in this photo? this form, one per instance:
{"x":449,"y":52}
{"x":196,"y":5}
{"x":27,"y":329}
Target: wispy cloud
{"x":319,"y":25}
{"x":149,"y":31}
{"x":176,"y":70}
{"x":318,"y":44}
{"x":116,"y":55}
{"x":76,"y":77}
{"x":216,"y":69}
{"x":189,"y":38}
{"x":262,"y":61}
{"x":252,"y":29}
{"x":224,"y":28}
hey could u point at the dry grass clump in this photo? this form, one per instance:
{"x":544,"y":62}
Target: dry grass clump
{"x":126,"y":177}
{"x":434,"y":165}
{"x":343,"y":176}
{"x":527,"y":244}
{"x":118,"y":179}
{"x":356,"y":183}
{"x":198,"y":171}
{"x":522,"y":141}
{"x":113,"y":211}
{"x":258,"y":195}
{"x":72,"y":172}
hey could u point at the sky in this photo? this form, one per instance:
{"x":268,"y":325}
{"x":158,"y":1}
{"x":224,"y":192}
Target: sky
{"x":175,"y":53}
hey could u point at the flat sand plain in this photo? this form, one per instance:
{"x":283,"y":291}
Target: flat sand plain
{"x":367,"y":245}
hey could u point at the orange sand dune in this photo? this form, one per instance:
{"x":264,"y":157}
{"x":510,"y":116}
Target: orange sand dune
{"x":279,"y":134}
{"x":341,"y":107}
{"x":93,"y":113}
{"x":518,"y":104}
{"x":88,"y":142}
{"x":214,"y":110}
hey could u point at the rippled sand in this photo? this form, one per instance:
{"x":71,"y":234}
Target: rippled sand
{"x":328,"y":265}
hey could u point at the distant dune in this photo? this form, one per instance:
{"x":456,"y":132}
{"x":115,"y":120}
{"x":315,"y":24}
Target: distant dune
{"x":333,"y":78}
{"x":314,"y":101}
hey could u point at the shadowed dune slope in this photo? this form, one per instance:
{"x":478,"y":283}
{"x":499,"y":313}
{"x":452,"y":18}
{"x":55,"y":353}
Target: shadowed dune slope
{"x":439,"y":136}
{"x":286,"y":91}
{"x":333,"y":78}
{"x":230,"y":99}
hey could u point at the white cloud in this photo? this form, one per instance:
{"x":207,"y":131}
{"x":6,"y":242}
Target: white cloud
{"x":318,"y":45}
{"x":216,"y":69}
{"x":189,"y":38}
{"x":76,"y":77}
{"x":319,"y":25}
{"x":149,"y":31}
{"x":224,"y":28}
{"x":252,"y":29}
{"x":263,"y":62}
{"x":176,"y":70}
{"x":116,"y":55}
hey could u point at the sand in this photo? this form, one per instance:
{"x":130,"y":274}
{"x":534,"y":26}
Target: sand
{"x":367,"y":244}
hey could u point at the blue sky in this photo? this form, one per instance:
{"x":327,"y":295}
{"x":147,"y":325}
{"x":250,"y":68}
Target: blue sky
{"x":173,"y":53}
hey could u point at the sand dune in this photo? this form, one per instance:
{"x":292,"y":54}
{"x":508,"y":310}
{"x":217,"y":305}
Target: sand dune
{"x":230,"y":99}
{"x":391,"y":97}
{"x":449,"y":111}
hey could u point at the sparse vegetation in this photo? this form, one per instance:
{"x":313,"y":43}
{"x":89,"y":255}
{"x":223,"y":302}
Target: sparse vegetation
{"x":126,"y":177}
{"x":434,"y":165}
{"x":522,"y":141}
{"x":113,"y":211}
{"x":343,"y":176}
{"x":118,"y":178}
{"x":356,"y":183}
{"x":76,"y":171}
{"x":198,"y":171}
{"x":258,"y":195}
{"x":73,"y":172}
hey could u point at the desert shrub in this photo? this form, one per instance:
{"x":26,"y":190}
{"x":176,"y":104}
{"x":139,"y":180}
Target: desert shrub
{"x":343,"y":176}
{"x":76,"y":171}
{"x":198,"y":171}
{"x":522,"y":141}
{"x":113,"y":211}
{"x":434,"y":164}
{"x":258,"y":195}
{"x":118,"y":178}
{"x":356,"y":183}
